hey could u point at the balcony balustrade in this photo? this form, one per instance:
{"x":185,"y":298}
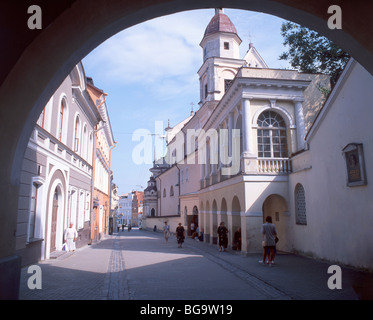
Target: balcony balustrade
{"x":270,"y":166}
{"x":274,"y":166}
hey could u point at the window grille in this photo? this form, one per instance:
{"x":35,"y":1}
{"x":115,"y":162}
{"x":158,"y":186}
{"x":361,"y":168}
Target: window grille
{"x":300,"y":205}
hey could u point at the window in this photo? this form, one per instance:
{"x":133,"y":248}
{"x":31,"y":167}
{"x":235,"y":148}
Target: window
{"x":272,"y":141}
{"x":164,"y":193}
{"x":227,"y":84}
{"x":33,"y":206}
{"x":61,"y":120}
{"x":226,"y":45}
{"x":171,"y":191}
{"x":206,"y":91}
{"x":76,"y":134}
{"x":85,"y":143}
{"x":300,"y":205}
{"x":41,"y":119}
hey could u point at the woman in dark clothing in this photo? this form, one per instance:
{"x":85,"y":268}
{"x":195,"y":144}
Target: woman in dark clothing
{"x":180,"y":235}
{"x":223,"y":237}
{"x":237,"y":239}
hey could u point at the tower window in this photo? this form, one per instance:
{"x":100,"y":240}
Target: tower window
{"x":227,"y":84}
{"x":226,"y":45}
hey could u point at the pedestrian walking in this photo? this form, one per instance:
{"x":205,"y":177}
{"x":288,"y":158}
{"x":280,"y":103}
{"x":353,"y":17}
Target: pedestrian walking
{"x":118,"y":227}
{"x":192,"y":227}
{"x":166,"y":231}
{"x":122,"y":227}
{"x":180,"y":235}
{"x":195,"y":233}
{"x":269,"y":234}
{"x":223,"y":237}
{"x":129,"y":227}
{"x":70,"y":237}
{"x":237,"y":240}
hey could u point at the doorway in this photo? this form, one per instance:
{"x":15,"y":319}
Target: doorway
{"x":276,"y":207}
{"x":54,"y":221}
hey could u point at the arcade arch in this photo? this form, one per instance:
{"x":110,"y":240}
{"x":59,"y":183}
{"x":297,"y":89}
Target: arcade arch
{"x":276,"y":207}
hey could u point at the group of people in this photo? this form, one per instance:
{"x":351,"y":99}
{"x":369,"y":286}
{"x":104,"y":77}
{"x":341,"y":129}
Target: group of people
{"x":180,"y":233}
{"x":268,"y":231}
{"x":223,"y":238}
{"x":119,"y":225}
{"x":196,"y":234}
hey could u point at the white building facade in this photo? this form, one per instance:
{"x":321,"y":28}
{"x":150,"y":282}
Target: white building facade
{"x":265,"y":142}
{"x":57,"y":172}
{"x":124,"y":215}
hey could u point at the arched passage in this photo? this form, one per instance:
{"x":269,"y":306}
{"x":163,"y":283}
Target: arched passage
{"x":223,"y":212}
{"x":214,"y":222}
{"x":276,"y":207}
{"x":236,"y":215}
{"x":207,"y":223}
{"x":52,"y":52}
{"x":202,"y":218}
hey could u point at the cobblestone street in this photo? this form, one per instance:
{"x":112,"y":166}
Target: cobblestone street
{"x":140,"y":265}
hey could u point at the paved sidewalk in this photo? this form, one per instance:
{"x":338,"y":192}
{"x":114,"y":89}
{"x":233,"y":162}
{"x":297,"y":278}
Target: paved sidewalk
{"x":295,"y":276}
{"x":139,"y":265}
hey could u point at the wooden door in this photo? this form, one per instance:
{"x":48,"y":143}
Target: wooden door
{"x":54,"y":221}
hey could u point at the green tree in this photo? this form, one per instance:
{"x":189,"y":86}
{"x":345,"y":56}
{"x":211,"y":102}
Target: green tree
{"x":310,"y":52}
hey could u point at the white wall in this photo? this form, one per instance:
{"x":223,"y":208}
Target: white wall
{"x":339,"y":218}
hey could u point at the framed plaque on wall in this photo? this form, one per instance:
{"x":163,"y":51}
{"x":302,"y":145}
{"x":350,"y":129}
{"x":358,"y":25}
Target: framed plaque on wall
{"x":355,"y":164}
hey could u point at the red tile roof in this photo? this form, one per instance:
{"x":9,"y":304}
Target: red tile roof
{"x":220,"y":23}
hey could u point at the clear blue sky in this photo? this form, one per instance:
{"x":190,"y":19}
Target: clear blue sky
{"x":150,"y":74}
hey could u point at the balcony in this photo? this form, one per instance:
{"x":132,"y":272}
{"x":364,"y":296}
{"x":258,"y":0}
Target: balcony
{"x":262,"y":166}
{"x":274,"y":166}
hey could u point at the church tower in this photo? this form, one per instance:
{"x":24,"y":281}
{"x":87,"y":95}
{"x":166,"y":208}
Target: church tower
{"x":221,"y":60}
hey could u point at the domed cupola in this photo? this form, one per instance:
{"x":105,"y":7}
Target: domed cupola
{"x":220,"y":38}
{"x":220,"y":23}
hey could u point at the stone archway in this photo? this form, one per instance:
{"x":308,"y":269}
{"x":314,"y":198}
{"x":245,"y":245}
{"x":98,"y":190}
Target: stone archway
{"x":236,"y":215}
{"x":276,"y":207}
{"x":52,"y":52}
{"x":214,"y":222}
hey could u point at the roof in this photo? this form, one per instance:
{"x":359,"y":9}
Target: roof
{"x":220,"y":23}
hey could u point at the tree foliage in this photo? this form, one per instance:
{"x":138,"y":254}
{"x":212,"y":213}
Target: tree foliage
{"x":310,"y":52}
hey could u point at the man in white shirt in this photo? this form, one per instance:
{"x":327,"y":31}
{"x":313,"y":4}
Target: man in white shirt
{"x":70,"y":237}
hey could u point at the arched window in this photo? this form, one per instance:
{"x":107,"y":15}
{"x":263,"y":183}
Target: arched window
{"x":61,"y":124}
{"x":85,"y":142}
{"x":152,"y":212}
{"x":41,"y":119}
{"x":90,"y":147}
{"x":272,"y":141}
{"x":171,"y":191}
{"x":300,"y":205}
{"x":164,"y":193}
{"x":77,"y":134}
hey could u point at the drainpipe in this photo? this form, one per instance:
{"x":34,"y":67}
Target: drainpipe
{"x":160,"y":196}
{"x":179,"y":188}
{"x":111,"y":226}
